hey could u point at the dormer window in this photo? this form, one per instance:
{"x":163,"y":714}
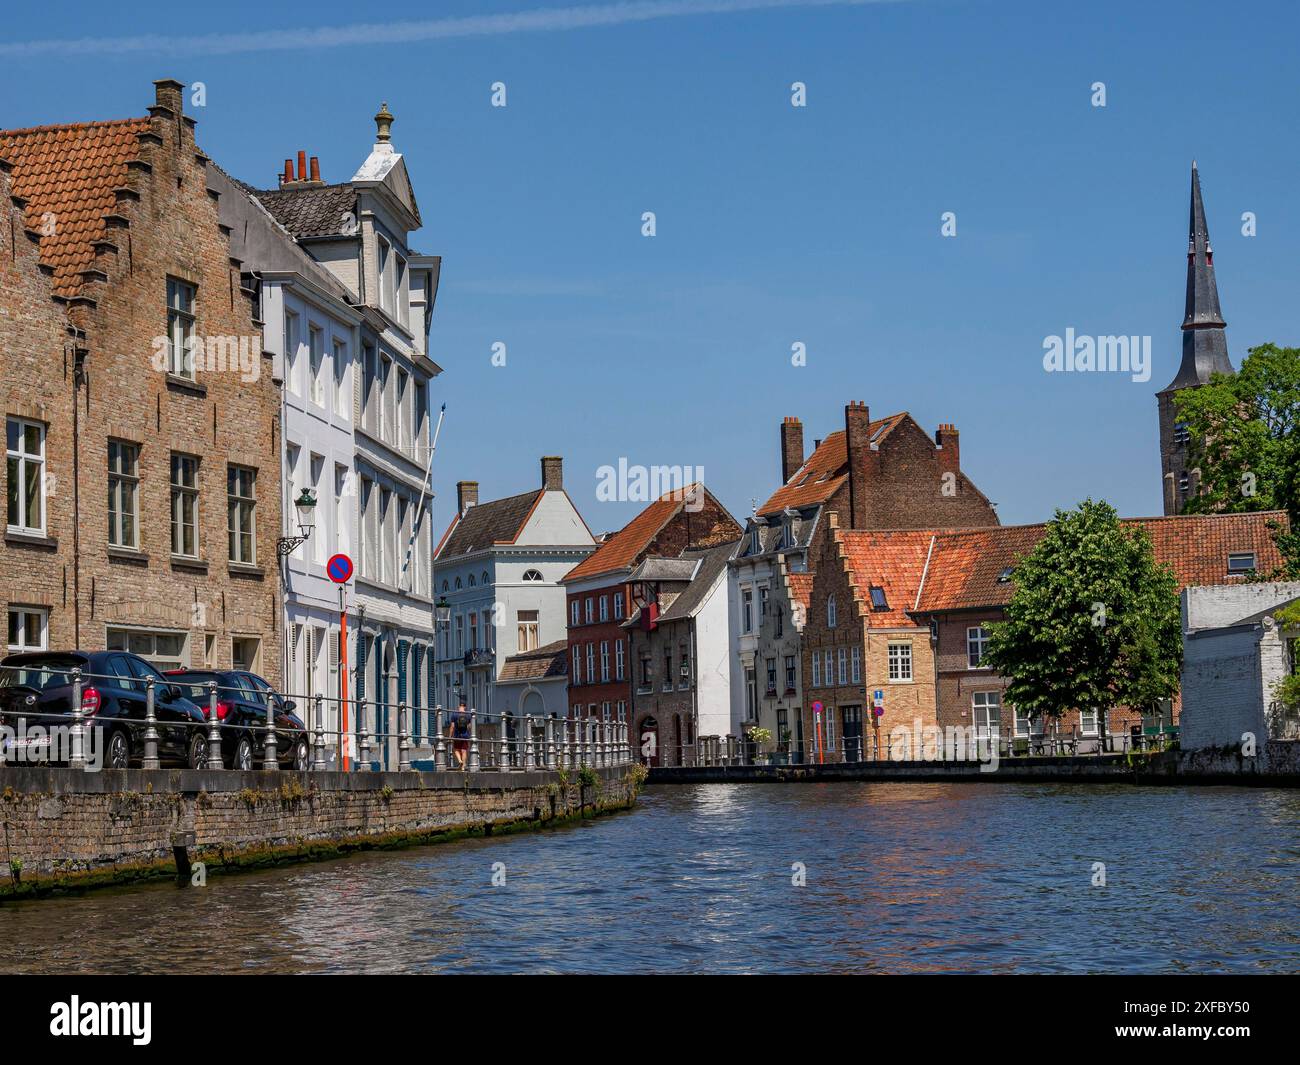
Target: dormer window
{"x":1241,"y":562}
{"x":879,"y":601}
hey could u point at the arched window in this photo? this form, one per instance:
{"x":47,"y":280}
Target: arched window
{"x":532,"y":575}
{"x":471,"y":580}
{"x":457,"y":582}
{"x":485,"y":577}
{"x":830,"y":611}
{"x":444,"y":586}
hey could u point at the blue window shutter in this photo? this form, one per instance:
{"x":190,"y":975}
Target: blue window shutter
{"x":402,"y":646}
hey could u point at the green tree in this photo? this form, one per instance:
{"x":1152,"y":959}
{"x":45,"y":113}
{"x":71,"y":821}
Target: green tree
{"x":1093,"y":621}
{"x":1246,"y":441}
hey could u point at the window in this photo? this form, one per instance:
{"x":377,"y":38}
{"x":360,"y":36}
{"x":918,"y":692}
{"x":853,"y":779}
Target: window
{"x":830,"y":611}
{"x":385,"y":399}
{"x":986,"y":713}
{"x":1241,"y":562}
{"x":857,"y":665}
{"x":185,"y":505}
{"x":573,"y":612}
{"x":977,"y":639}
{"x":604,"y":659}
{"x":180,"y":328}
{"x":403,"y":435}
{"x":590,"y":610}
{"x":618,"y":604}
{"x":25,"y":454}
{"x":604,"y":608}
{"x":369,"y":389}
{"x":789,"y":673}
{"x":842,"y":664}
{"x":762,"y":602}
{"x":1088,"y":722}
{"x":1005,"y":576}
{"x":780,"y":622}
{"x":341,"y":538}
{"x":771,"y":676}
{"x":577,"y":665}
{"x":817,"y":670}
{"x":879,"y":601}
{"x":166,"y":650}
{"x":751,"y":696}
{"x":245,"y":653}
{"x":830,"y":728}
{"x":1182,"y":435}
{"x":591,"y":663}
{"x":668,"y":671}
{"x":527,"y":623}
{"x":472,"y":580}
{"x":241,"y":504}
{"x":618,"y":660}
{"x":123,"y":494}
{"x":387,"y":278}
{"x":827,"y":677}
{"x":900,"y":662}
{"x":647,"y":673}
{"x":316,"y":364}
{"x":1022,"y":722}
{"x":747,"y":610}
{"x":532,"y":575}
{"x":28,"y":628}
{"x":342,"y":397}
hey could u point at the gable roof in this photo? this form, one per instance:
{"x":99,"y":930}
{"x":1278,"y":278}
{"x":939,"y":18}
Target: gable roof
{"x":710,"y":564}
{"x":317,"y":211}
{"x":622,"y":549}
{"x":552,"y":660}
{"x":68,"y":174}
{"x":499,"y":521}
{"x":965,"y":565}
{"x":825,"y":469}
{"x":892,"y":560}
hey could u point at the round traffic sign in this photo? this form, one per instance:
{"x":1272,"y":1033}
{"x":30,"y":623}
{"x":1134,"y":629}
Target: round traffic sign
{"x":339,"y":568}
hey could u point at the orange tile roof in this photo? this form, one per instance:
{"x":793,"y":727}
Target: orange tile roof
{"x":892,"y":560}
{"x":800,"y":585}
{"x":623,"y":548}
{"x":67,"y":174}
{"x":965,"y":566}
{"x":825,"y":470}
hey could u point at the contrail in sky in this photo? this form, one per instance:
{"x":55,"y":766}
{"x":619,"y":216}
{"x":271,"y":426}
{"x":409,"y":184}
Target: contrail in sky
{"x":538,"y":21}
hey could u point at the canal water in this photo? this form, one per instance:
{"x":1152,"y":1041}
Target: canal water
{"x":898,"y":878}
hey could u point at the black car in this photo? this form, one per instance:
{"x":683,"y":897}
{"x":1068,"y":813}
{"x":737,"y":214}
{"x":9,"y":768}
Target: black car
{"x":36,"y":689}
{"x":242,"y":701}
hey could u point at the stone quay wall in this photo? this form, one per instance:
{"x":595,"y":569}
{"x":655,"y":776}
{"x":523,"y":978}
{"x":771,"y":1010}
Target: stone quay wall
{"x":67,"y":829}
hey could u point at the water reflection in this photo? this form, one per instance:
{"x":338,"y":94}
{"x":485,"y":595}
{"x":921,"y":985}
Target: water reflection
{"x":900,"y":878}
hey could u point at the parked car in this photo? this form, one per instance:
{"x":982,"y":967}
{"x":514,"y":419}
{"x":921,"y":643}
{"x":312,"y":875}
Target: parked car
{"x":36,"y":688}
{"x":242,"y":701}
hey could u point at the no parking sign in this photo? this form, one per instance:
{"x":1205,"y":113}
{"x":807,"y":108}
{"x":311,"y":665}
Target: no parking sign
{"x":339,"y":568}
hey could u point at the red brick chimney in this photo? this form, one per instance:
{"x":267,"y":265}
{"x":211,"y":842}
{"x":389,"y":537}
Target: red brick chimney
{"x":466,"y":496}
{"x":791,"y":447}
{"x":303,"y":178}
{"x":947,"y":441}
{"x":552,"y":473}
{"x":857,"y":435}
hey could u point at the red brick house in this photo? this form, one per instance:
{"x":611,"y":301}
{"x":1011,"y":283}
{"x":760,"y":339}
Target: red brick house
{"x":599,"y":595}
{"x":970,"y":576}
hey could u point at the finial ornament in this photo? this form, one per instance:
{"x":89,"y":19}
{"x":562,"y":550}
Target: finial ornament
{"x":384,"y":123}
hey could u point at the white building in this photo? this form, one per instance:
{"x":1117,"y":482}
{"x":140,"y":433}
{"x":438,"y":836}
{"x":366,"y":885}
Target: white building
{"x":498,"y":567}
{"x":372,"y":383}
{"x":1234,"y":653}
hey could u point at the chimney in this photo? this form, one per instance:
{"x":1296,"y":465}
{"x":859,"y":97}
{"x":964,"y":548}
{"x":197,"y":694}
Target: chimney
{"x":466,"y":496}
{"x":315,"y":169}
{"x":947,"y":442}
{"x":791,"y":448}
{"x":167,"y":93}
{"x":302,"y":166}
{"x":552,"y":473}
{"x":287,"y":177}
{"x":862,"y":464}
{"x":304,"y":177}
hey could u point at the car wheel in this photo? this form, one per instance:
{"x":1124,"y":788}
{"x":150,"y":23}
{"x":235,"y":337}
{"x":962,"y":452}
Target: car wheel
{"x":198,"y":757}
{"x":243,"y":754}
{"x":118,"y":754}
{"x":301,"y":759}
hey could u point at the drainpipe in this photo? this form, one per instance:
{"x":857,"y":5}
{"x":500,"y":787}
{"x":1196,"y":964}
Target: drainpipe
{"x":78,"y":378}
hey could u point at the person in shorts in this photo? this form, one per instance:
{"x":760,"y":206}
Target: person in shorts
{"x":458,"y":733}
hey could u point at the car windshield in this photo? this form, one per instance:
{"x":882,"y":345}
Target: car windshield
{"x":50,"y":673}
{"x":193,"y":686}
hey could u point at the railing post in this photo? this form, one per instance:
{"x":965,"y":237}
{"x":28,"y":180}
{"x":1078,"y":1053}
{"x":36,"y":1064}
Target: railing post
{"x":214,"y":729}
{"x":318,"y":763}
{"x":363,"y":736}
{"x":528,"y":763}
{"x":439,"y":744}
{"x":77,"y":756}
{"x":473,"y":763}
{"x":551,"y":762}
{"x":403,"y":740}
{"x":150,"y":760}
{"x":270,"y":753}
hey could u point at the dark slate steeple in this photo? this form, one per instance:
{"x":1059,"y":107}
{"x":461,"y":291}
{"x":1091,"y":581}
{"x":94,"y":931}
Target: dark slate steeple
{"x":1205,"y":345}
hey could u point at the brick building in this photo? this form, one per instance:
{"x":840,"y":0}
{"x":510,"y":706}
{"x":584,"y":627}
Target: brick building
{"x":882,"y":474}
{"x":143,"y":473}
{"x":599,"y":594}
{"x":969,"y":579}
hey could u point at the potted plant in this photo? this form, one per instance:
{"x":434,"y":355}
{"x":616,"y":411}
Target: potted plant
{"x":757,"y":735}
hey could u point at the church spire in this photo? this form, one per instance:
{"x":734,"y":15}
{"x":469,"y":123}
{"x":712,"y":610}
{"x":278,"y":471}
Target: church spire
{"x":1205,"y":345}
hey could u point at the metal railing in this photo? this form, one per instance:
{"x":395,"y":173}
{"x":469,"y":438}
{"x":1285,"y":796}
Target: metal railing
{"x":379,"y":734}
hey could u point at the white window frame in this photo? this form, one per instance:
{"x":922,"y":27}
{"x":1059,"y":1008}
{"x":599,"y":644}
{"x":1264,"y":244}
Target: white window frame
{"x":986,"y":701}
{"x":900,"y":663}
{"x":18,"y":462}
{"x":18,"y":637}
{"x":977,"y":639}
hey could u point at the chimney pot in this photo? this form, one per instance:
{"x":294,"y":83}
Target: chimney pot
{"x":315,"y":168}
{"x":302,"y":166}
{"x":552,"y":473}
{"x":288,"y":172}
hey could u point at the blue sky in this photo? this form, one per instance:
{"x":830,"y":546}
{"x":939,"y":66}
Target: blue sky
{"x":776,"y":225}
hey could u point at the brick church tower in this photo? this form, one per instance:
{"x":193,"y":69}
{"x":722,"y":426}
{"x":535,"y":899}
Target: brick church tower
{"x":1205,"y":352}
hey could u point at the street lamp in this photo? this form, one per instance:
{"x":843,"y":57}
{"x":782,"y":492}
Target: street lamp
{"x":305,"y":505}
{"x":442,"y":611}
